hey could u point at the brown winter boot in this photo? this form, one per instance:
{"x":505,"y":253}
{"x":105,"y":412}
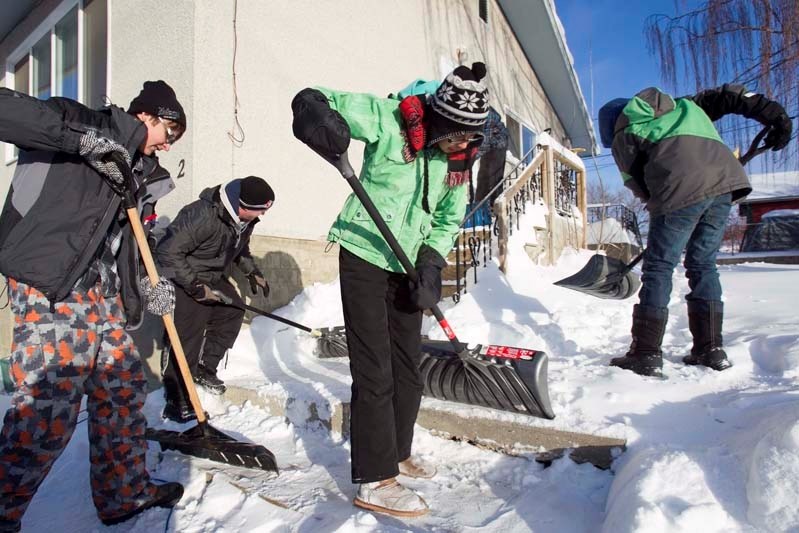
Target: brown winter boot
{"x":705,"y":320}
{"x":644,"y":357}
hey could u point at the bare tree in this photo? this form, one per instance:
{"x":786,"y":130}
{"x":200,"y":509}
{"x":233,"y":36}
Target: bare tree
{"x":751,"y":42}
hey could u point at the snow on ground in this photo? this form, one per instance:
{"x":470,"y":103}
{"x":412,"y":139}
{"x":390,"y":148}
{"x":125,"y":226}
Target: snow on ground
{"x":706,"y":451}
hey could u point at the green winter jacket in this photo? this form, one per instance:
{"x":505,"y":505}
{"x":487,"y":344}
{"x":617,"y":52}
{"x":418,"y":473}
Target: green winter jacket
{"x":670,"y":154}
{"x":395,"y":187}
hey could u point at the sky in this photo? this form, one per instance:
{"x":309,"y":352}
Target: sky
{"x":606,"y":39}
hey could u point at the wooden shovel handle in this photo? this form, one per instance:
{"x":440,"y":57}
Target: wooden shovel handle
{"x":169,"y":323}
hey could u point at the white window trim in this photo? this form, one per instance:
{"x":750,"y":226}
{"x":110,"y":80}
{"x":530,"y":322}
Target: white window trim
{"x":522,"y":122}
{"x":25,"y":48}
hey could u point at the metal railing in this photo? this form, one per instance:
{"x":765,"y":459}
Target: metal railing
{"x":620,"y":212}
{"x":478,"y":239}
{"x":565,"y":188}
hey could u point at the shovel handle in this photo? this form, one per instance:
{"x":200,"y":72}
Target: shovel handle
{"x":152,"y":273}
{"x":286,"y":321}
{"x":755,"y":149}
{"x":343,"y":165}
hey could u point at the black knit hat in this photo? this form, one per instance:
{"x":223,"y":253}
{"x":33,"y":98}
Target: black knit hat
{"x":460,"y":105}
{"x":158,"y":99}
{"x":255,"y":194}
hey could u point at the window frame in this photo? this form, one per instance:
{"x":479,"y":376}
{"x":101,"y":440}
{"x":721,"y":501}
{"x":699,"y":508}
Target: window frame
{"x":518,"y":135}
{"x":482,"y":11}
{"x":25,"y":49}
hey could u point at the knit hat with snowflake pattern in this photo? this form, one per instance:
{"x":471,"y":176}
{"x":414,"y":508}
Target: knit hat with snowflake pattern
{"x":460,"y":105}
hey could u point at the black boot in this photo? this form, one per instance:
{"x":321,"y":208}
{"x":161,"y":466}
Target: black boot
{"x":166,"y":495}
{"x":177,"y":407}
{"x":644,"y":357}
{"x":705,"y":320}
{"x":207,"y":378}
{"x":178,"y":411}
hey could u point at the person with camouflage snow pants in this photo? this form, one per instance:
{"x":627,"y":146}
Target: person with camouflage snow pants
{"x":73,"y":278}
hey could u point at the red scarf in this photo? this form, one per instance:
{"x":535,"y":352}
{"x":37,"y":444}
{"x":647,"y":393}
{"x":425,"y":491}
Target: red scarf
{"x":459,"y":163}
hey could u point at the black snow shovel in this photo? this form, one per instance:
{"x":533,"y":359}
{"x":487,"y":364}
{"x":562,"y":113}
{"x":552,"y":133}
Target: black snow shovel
{"x":611,"y":279}
{"x":501,"y":377}
{"x":202,"y":440}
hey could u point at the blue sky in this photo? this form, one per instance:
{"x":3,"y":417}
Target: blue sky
{"x":607,"y":37}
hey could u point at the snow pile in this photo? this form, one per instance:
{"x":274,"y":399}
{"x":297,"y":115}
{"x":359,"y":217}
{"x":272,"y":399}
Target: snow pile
{"x":782,"y":213}
{"x":773,"y":483}
{"x":707,"y":451}
{"x":774,"y":184}
{"x":609,"y":231}
{"x":642,"y":497}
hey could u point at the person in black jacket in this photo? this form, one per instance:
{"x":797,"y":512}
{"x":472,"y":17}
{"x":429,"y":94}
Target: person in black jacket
{"x":72,"y":266}
{"x":200,"y":246}
{"x":671,"y":156}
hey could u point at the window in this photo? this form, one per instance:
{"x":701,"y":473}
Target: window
{"x":65,"y":56}
{"x":66,"y":53}
{"x":521,"y":138}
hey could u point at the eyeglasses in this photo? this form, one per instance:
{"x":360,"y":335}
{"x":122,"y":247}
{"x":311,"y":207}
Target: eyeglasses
{"x":459,"y":140}
{"x":171,"y":136}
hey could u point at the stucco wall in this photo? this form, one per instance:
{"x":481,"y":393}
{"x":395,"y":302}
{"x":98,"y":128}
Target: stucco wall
{"x":355,"y":45}
{"x":280,"y":48}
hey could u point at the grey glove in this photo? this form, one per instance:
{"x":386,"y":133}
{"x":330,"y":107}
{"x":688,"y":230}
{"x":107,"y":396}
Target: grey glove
{"x":204,"y":294}
{"x":159,"y":300}
{"x":95,"y":150}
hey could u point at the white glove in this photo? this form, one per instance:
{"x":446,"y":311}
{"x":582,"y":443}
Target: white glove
{"x":159,"y":300}
{"x":95,"y":150}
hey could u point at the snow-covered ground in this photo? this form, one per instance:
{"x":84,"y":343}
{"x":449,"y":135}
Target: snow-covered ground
{"x":706,"y":451}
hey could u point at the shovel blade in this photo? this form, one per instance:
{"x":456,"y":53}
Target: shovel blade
{"x":603,"y":277}
{"x":332,"y":343}
{"x":207,"y":442}
{"x":500,"y":377}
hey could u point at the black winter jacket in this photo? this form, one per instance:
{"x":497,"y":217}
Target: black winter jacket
{"x":203,"y":242}
{"x":59,"y":209}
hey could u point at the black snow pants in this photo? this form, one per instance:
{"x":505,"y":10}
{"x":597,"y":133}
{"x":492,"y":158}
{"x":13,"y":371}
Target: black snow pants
{"x":384,"y":339}
{"x":206,"y":331}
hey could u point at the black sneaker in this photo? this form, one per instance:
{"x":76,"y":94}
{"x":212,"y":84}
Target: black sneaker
{"x":166,"y":496}
{"x":177,"y":412}
{"x":207,"y":379}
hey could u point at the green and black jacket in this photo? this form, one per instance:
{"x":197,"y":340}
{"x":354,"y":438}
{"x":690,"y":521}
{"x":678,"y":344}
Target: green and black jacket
{"x":670,"y":154}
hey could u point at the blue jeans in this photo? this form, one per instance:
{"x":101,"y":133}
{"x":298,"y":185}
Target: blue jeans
{"x":698,"y":229}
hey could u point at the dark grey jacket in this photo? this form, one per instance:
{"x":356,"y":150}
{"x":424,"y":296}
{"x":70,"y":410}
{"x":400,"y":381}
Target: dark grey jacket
{"x":670,"y":154}
{"x":59,"y":209}
{"x":203,"y":242}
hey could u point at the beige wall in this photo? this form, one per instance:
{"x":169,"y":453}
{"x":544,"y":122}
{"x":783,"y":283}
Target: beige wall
{"x":282,"y":47}
{"x":354,"y":45}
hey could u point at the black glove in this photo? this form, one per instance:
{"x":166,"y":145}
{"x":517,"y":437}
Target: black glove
{"x":258,"y":280}
{"x":323,"y":129}
{"x":426,"y":292}
{"x":159,"y":300}
{"x":95,"y":150}
{"x":205,"y":294}
{"x":780,"y":133}
{"x":772,"y":114}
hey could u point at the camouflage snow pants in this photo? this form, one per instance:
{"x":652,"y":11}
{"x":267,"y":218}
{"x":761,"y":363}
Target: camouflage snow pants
{"x":56,"y":358}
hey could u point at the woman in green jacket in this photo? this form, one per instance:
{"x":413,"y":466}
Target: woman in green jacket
{"x":416,"y":162}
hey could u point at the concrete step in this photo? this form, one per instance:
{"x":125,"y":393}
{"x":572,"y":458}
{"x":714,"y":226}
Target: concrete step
{"x":512,"y":434}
